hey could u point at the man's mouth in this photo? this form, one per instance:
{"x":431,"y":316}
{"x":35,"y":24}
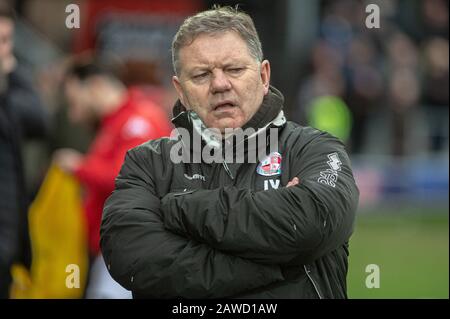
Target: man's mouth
{"x":224,"y":106}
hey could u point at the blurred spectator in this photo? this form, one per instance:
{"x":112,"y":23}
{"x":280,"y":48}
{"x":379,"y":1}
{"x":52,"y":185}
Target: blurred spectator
{"x":435,"y":90}
{"x":434,"y":18}
{"x":127,"y":119}
{"x":325,"y":78}
{"x":365,"y":87}
{"x":21,"y":116}
{"x":403,"y":88}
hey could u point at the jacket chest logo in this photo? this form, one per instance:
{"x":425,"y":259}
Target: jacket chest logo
{"x":270,"y":165}
{"x":271,"y":184}
{"x":195,"y":176}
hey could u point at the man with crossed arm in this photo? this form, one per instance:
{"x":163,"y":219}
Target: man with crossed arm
{"x":277,"y":227}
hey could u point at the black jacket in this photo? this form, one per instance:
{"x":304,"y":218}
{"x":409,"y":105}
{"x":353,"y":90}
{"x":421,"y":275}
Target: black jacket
{"x":21,"y":116}
{"x":212,"y":230}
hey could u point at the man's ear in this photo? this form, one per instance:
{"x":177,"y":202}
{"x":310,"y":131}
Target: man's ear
{"x":176,"y":83}
{"x":265,"y":75}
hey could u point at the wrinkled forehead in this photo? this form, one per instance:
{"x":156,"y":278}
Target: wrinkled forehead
{"x":214,"y":49}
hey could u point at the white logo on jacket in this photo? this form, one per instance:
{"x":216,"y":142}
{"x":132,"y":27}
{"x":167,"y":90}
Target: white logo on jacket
{"x":334,"y":162}
{"x":274,"y":184}
{"x":330,"y":176}
{"x":195,"y":176}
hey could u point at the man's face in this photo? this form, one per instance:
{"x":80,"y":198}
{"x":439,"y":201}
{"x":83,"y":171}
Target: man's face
{"x":79,"y":99}
{"x":6,"y":38}
{"x":221,"y":81}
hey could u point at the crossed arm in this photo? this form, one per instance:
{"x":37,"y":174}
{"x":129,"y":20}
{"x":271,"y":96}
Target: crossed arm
{"x":289,"y":225}
{"x":225,"y":241}
{"x":153,"y":262}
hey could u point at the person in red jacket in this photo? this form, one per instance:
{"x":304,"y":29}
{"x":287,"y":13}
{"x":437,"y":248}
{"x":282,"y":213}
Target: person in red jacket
{"x":127,"y":118}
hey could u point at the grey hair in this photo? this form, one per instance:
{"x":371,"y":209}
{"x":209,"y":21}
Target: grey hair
{"x":214,"y":21}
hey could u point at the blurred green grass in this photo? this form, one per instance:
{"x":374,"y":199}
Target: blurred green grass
{"x":411,"y":250}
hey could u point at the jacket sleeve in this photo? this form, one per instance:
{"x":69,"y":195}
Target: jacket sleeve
{"x":293,"y":225}
{"x":153,"y":262}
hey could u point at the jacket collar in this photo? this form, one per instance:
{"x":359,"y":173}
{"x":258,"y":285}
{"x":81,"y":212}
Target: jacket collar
{"x":269,"y":115}
{"x":270,"y":108}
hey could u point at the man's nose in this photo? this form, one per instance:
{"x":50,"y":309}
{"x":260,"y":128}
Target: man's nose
{"x":220,"y":82}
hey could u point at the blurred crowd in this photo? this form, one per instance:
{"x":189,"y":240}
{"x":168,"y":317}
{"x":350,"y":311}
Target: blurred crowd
{"x":388,"y":77}
{"x":116,"y":115}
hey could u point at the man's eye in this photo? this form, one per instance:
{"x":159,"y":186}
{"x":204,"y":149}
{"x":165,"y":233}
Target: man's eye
{"x":235,"y":70}
{"x":201,"y":75}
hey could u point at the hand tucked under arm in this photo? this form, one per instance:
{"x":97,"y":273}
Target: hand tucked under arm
{"x":297,"y":223}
